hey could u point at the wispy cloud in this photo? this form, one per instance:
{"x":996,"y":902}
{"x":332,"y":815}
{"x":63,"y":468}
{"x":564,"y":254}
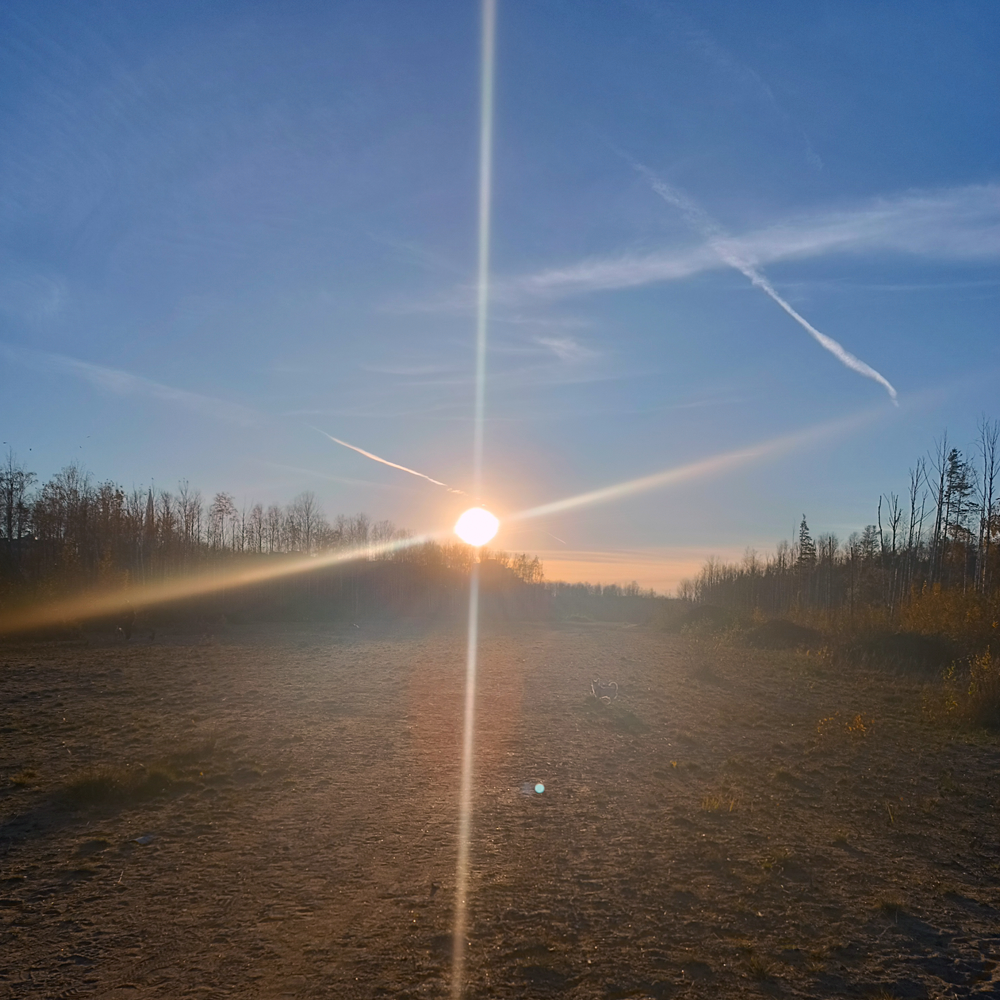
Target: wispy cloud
{"x":743,"y":79}
{"x":408,"y":371}
{"x":567,"y":348}
{"x":720,"y":243}
{"x":417,"y":253}
{"x":122,"y":383}
{"x":961,"y":224}
{"x":30,"y":295}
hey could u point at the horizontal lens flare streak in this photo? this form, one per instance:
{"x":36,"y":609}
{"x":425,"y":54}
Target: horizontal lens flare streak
{"x":700,"y":469}
{"x":385,"y":461}
{"x":182,"y":588}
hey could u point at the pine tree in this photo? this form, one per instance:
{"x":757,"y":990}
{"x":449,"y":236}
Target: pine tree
{"x":807,"y":547}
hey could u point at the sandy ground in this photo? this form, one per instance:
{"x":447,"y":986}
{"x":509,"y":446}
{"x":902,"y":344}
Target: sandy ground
{"x":736,"y":824}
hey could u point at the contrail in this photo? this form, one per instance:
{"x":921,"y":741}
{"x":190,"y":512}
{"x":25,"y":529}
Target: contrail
{"x":384,"y":461}
{"x":722,"y":245}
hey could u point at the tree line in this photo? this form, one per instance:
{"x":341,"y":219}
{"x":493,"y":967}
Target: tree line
{"x":72,"y":532}
{"x":939,"y":537}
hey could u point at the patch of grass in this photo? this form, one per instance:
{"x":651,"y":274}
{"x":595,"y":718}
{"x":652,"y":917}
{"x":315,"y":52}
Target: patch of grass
{"x":25,"y":778}
{"x":695,"y":619}
{"x":615,"y":715}
{"x":775,"y":859}
{"x":912,"y":653}
{"x":759,"y":967}
{"x":949,"y":786}
{"x":782,"y":634}
{"x":857,"y":725}
{"x":890,"y":904}
{"x":195,"y":754}
{"x":107,"y":786}
{"x":724,"y":802}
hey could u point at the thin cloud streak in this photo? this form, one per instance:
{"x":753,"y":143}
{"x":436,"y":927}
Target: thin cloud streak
{"x":123,"y":383}
{"x":384,"y":461}
{"x":961,"y":224}
{"x":722,"y":245}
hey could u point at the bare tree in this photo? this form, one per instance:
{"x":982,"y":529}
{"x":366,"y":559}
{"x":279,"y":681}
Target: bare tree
{"x":939,"y":464}
{"x":15,"y":484}
{"x":257,"y":528}
{"x":220,"y":512}
{"x":273,"y":528}
{"x":307,"y":519}
{"x":189,"y":502}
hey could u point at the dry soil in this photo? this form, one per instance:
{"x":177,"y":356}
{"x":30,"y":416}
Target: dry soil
{"x":271,"y":812}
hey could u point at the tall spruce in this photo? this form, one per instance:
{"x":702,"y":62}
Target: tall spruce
{"x":807,"y":547}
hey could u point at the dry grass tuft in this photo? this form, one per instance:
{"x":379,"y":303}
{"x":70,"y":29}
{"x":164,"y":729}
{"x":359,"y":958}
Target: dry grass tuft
{"x":890,"y":904}
{"x":104,"y":786}
{"x":855,"y":725}
{"x":972,"y":699}
{"x":25,"y":778}
{"x":759,"y":967}
{"x":983,"y":698}
{"x":775,"y":859}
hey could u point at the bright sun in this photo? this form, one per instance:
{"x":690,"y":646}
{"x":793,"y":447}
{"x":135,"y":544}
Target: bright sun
{"x":476,"y":526}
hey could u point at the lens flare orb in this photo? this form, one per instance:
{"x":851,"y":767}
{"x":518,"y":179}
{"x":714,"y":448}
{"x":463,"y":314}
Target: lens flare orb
{"x":476,"y":526}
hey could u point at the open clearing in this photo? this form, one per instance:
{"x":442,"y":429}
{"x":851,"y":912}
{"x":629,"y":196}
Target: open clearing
{"x":738,"y":823}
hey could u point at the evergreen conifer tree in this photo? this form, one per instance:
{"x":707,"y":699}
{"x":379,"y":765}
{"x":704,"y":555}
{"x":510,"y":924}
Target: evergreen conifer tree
{"x":807,"y":547}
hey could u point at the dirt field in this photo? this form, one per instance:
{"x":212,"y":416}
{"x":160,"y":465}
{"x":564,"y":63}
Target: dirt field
{"x":736,"y":824}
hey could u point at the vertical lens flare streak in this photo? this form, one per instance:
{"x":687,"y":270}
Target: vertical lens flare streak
{"x":483,"y":278}
{"x":482,"y":315}
{"x":459,"y":944}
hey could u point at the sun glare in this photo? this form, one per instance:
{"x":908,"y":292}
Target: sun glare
{"x":476,"y":526}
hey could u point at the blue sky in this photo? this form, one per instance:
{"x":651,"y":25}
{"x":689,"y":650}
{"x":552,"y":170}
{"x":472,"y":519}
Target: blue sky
{"x":225,"y":228}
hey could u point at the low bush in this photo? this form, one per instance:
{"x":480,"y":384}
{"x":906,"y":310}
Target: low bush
{"x":701,"y":619}
{"x":782,"y":634}
{"x":982,"y":704}
{"x":905,"y":652}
